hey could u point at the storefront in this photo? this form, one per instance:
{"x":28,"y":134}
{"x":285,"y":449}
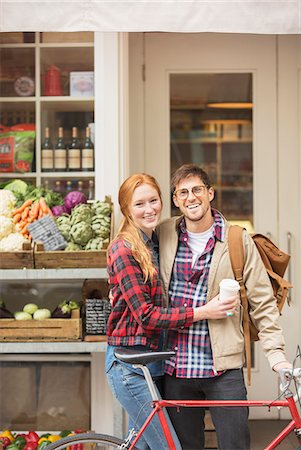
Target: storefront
{"x":166,"y":91}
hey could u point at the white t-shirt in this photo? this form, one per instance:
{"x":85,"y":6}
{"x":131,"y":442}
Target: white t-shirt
{"x":197,"y":243}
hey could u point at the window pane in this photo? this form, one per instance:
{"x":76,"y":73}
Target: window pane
{"x":211,"y":125}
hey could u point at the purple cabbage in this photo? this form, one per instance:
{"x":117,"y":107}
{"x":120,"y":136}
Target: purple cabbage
{"x":74,"y":198}
{"x":59,"y":210}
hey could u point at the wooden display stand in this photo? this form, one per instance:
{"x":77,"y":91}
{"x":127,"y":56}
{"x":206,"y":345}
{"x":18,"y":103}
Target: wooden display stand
{"x":22,"y":259}
{"x":12,"y":330}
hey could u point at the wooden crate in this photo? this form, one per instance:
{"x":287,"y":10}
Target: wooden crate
{"x":70,"y":260}
{"x":61,"y":259}
{"x":12,"y":330}
{"x":23,"y":259}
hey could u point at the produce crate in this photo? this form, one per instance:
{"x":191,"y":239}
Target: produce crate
{"x":12,"y":330}
{"x":23,"y":259}
{"x":61,"y":259}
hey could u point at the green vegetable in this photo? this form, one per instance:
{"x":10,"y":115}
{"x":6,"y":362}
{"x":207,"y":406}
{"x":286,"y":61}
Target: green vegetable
{"x":30,"y":308}
{"x":95,"y":244}
{"x":73,"y":304}
{"x":73,"y":247}
{"x":43,"y":444}
{"x":62,"y":311}
{"x":65,"y":433}
{"x":20,"y":441}
{"x":81,"y":213}
{"x":81,"y":233}
{"x":17,"y":187}
{"x":12,"y":446}
{"x":103,"y":208}
{"x":21,"y":315}
{"x":41,"y":314}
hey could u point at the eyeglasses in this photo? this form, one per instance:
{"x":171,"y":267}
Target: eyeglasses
{"x":182,"y":194}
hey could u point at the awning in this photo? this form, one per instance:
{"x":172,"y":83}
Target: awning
{"x":244,"y":16}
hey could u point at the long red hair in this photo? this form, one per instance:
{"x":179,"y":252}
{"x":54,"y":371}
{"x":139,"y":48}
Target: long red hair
{"x":128,"y":230}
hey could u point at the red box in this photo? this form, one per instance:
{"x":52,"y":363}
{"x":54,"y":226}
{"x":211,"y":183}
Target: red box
{"x":7,"y":146}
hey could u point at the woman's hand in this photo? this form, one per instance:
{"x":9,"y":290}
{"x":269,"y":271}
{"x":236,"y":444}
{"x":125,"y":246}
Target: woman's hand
{"x":216,"y":308}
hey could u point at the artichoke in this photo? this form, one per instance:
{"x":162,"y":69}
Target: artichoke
{"x":81,"y":233}
{"x":95,"y":244}
{"x":81,"y":213}
{"x":103,"y":208}
{"x":72,"y":247}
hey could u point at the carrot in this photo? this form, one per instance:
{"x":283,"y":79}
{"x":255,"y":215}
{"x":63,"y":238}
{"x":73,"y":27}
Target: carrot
{"x":21,"y":224}
{"x":40,"y":213}
{"x":16,"y":218}
{"x":24,"y":230}
{"x":43,"y":205}
{"x":34,"y":212}
{"x":22,"y":207}
{"x":25,"y":213}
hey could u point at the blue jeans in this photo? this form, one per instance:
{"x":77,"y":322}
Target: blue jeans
{"x":131,"y":391}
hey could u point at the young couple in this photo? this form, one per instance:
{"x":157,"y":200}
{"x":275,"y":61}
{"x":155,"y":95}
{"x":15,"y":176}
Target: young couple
{"x":175,"y":303}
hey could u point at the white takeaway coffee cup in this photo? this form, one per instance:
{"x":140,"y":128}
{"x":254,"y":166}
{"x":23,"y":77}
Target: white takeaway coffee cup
{"x":227,"y":288}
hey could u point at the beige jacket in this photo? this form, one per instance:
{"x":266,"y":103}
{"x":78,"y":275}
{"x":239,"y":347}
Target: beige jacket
{"x":226,"y":335}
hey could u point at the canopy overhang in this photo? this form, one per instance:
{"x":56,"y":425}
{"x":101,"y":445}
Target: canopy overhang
{"x":190,"y":16}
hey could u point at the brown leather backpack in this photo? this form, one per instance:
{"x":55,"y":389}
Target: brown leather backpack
{"x":275,"y":262}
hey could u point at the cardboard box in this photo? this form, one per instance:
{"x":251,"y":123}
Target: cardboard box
{"x":81,"y":84}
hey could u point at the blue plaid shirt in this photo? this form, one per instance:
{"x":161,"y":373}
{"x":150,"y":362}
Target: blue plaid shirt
{"x":188,"y":287}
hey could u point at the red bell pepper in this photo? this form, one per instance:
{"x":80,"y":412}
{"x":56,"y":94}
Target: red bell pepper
{"x":32,"y":436}
{"x":5,"y":441}
{"x":31,"y":445}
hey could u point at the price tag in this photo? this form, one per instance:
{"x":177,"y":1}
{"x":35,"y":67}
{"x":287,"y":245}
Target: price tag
{"x":46,"y":231}
{"x":96,"y":315}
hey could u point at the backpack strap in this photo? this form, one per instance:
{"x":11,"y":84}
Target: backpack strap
{"x":236,"y":253}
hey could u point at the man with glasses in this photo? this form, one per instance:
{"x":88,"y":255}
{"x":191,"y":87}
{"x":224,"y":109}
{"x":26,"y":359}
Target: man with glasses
{"x":209,"y":357}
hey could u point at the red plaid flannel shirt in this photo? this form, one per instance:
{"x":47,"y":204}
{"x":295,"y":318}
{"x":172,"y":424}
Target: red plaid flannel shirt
{"x":138,"y":316}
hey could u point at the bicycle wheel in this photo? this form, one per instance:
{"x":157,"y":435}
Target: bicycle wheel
{"x":96,"y":441}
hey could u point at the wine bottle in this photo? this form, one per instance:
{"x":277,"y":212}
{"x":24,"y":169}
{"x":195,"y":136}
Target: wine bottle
{"x":88,"y":153}
{"x":69,"y":186}
{"x":74,"y":160}
{"x":47,"y":163}
{"x":80,"y":186}
{"x":60,"y":152}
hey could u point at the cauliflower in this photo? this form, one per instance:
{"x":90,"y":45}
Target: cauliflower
{"x":7,"y":202}
{"x":12,"y":242}
{"x":6,"y":226}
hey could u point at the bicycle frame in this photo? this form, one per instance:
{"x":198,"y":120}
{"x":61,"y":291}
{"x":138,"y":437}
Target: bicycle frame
{"x":158,"y":404}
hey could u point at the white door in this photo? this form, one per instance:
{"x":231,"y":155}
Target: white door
{"x":289,"y":138}
{"x":162,"y":56}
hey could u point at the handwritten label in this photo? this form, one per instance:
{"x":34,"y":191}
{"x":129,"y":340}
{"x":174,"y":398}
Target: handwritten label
{"x":97,"y":314}
{"x":45,"y":230}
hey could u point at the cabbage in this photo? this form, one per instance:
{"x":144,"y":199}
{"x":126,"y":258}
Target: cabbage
{"x":17,"y":186}
{"x":58,"y":210}
{"x":21,"y":315}
{"x":30,"y":308}
{"x":41,"y":314}
{"x":74,"y":198}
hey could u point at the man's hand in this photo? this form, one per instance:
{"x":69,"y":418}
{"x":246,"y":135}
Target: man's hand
{"x":282,"y":365}
{"x":217,"y":309}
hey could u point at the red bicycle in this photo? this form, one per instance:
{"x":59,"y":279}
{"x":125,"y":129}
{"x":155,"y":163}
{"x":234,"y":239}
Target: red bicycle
{"x":140,"y":359}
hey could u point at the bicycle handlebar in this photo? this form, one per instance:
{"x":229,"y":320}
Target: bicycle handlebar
{"x":286,"y":376}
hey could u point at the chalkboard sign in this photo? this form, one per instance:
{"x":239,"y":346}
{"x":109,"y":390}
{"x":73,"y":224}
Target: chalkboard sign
{"x":97,"y":311}
{"x":45,"y":230}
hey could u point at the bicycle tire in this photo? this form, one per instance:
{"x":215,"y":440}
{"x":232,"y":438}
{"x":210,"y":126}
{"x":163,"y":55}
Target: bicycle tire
{"x":101,"y":441}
